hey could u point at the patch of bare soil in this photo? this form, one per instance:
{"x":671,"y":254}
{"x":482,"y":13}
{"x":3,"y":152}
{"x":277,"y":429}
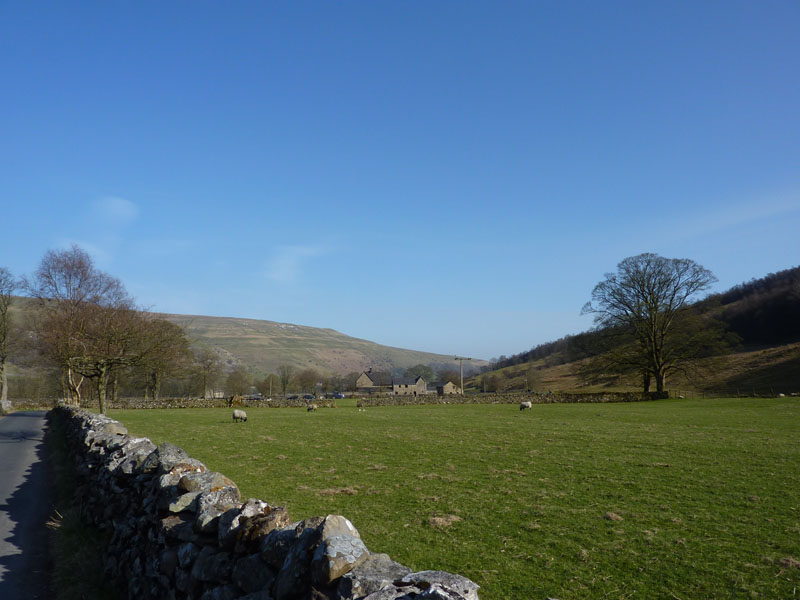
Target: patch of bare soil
{"x":443,"y":522}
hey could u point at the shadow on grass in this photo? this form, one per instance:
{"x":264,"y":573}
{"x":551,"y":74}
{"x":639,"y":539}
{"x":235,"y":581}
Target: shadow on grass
{"x":783,"y":377}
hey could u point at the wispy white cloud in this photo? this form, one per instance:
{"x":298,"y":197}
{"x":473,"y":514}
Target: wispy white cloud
{"x":739,"y":213}
{"x":116,"y":211}
{"x":287,"y":263}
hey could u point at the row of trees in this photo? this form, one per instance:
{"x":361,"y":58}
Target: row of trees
{"x":88,"y":328}
{"x":289,"y":379}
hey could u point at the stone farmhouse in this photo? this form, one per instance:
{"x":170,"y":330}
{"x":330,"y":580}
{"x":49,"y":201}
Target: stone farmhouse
{"x":381,"y":382}
{"x":448,"y":388}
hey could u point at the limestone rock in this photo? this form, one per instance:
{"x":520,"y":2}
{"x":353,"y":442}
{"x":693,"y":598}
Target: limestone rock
{"x":208,"y":518}
{"x":262,"y":595}
{"x":252,"y":575}
{"x":393,"y":593}
{"x":293,"y":579}
{"x":187,"y":553}
{"x":376,"y":572}
{"x":253,"y":529}
{"x":206,"y":481}
{"x":132,"y":455}
{"x":227,"y":528}
{"x":168,"y":562}
{"x":212,"y":566}
{"x":336,"y":525}
{"x":163,"y":458}
{"x":254,"y":506}
{"x":184,"y":502}
{"x":222,"y":592}
{"x":447,"y":581}
{"x":224,"y":495}
{"x":275,"y":547}
{"x":179,"y":527}
{"x":335,"y":556}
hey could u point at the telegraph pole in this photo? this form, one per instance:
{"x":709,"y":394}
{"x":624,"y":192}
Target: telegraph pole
{"x":461,"y":360}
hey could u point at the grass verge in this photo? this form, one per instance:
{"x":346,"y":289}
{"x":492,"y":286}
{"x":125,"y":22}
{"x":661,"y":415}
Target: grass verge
{"x":76,"y":548}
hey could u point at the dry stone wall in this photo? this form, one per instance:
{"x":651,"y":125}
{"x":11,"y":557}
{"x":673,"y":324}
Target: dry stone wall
{"x":277,"y":402}
{"x":178,"y":530}
{"x":513,"y":398}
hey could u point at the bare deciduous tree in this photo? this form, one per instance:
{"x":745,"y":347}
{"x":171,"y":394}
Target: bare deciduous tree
{"x":285,"y":374}
{"x":167,"y":354}
{"x":646,"y":298}
{"x":238,"y":382}
{"x":269,"y":383}
{"x":307,"y":380}
{"x":88,"y":321}
{"x":208,"y":367}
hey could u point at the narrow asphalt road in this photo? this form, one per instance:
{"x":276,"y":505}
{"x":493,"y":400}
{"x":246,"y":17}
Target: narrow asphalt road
{"x":24,"y":507}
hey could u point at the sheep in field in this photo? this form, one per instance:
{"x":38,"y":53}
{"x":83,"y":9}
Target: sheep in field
{"x":311,"y":407}
{"x":239,"y":415}
{"x":524,"y":405}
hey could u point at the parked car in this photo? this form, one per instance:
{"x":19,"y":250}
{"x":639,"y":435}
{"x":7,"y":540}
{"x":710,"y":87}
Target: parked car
{"x":309,"y":397}
{"x":292,"y":397}
{"x":338,"y":395}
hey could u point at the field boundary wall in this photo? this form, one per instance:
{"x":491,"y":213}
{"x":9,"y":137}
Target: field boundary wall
{"x":500,"y":398}
{"x":178,"y":530}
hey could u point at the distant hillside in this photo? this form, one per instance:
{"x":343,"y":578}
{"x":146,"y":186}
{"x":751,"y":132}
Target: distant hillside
{"x":760,"y":313}
{"x":763,"y":371}
{"x":762,"y":318}
{"x":263,"y":345}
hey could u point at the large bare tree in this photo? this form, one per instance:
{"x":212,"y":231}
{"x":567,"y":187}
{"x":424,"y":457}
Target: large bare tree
{"x":70,"y":291}
{"x":167,"y":354}
{"x":285,"y":374}
{"x":269,"y":383}
{"x":209,"y":369}
{"x":7,"y":286}
{"x":89,"y":324}
{"x":238,"y":382}
{"x":646,"y":299}
{"x":307,"y":380}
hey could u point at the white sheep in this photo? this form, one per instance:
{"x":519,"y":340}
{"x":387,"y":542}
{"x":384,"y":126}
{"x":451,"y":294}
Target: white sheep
{"x":239,"y":415}
{"x":524,"y":405}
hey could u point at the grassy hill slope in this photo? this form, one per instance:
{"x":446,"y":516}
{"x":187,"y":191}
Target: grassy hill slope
{"x":260,"y":346}
{"x":263,"y":345}
{"x":762,"y":371}
{"x":762,"y":318}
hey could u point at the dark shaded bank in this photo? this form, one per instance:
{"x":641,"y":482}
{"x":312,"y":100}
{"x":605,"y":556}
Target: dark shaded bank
{"x":25,"y":505}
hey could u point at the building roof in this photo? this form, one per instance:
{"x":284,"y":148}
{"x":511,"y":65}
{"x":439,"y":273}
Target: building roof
{"x":407,"y":380}
{"x":379,"y":377}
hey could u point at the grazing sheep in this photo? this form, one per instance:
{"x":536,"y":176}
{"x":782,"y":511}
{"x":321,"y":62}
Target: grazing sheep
{"x":524,"y":405}
{"x":239,"y":415}
{"x":311,"y":407}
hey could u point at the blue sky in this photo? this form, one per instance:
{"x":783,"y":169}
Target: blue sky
{"x":444,"y":176}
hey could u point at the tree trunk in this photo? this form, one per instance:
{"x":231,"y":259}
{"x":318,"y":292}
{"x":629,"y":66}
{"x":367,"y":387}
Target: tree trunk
{"x":115,"y":389}
{"x":156,"y":386}
{"x":646,"y":381}
{"x":661,"y":380}
{"x":74,"y":388}
{"x":3,"y":383}
{"x":5,"y":405}
{"x":101,"y":390}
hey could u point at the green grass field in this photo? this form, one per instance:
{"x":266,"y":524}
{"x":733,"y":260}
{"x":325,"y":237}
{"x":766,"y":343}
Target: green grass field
{"x":670,"y":499}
